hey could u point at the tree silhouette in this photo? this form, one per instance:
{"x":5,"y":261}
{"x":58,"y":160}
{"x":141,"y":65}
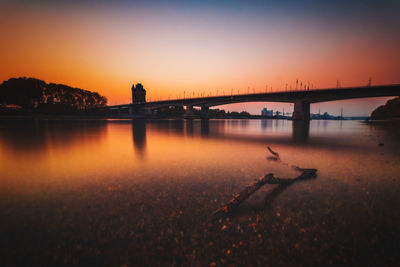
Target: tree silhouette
{"x":35,"y":94}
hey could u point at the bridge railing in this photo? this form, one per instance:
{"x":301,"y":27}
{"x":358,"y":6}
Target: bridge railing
{"x":208,"y":96}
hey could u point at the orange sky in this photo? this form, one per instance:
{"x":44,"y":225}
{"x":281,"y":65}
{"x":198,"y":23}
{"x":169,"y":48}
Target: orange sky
{"x":169,"y":51}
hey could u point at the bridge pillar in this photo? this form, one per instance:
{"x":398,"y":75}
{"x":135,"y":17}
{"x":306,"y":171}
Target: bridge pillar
{"x":189,"y":113}
{"x":301,"y":110}
{"x":147,"y":111}
{"x":130,"y":110}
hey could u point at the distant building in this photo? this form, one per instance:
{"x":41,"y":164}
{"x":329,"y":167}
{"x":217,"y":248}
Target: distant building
{"x":324,"y":116}
{"x":138,"y":94}
{"x":266,"y":112}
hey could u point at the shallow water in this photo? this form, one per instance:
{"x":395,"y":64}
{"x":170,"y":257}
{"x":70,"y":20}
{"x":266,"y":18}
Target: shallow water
{"x":135,"y":192}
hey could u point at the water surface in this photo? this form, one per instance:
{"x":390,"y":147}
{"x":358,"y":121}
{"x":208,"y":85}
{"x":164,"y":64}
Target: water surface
{"x":142,"y":192}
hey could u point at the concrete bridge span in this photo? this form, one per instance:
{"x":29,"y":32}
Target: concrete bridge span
{"x":300,"y":99}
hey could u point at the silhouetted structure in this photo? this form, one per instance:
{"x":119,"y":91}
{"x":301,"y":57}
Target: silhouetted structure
{"x":138,"y":94}
{"x":325,"y":116}
{"x":267,"y":112}
{"x":301,"y":99}
{"x":35,"y":94}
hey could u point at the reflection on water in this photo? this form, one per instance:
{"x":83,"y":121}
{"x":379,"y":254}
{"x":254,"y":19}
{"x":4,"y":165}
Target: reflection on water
{"x":301,"y":131}
{"x":139,"y":136}
{"x":69,"y":147}
{"x":205,"y":128}
{"x":265,"y":124}
{"x":323,"y":133}
{"x":141,"y":192}
{"x":32,"y":135}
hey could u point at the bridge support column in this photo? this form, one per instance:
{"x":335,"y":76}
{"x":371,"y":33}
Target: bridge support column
{"x":301,"y":110}
{"x":147,"y":111}
{"x":189,"y":113}
{"x":130,"y":110}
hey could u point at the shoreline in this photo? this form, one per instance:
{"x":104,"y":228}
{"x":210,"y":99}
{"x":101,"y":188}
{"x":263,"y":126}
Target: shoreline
{"x":130,"y":117}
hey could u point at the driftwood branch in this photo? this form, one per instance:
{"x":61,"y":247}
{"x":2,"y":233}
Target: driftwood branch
{"x":239,"y":198}
{"x":275,"y":156}
{"x":273,"y":152}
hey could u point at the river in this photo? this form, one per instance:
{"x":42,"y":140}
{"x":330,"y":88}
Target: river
{"x":122,"y":192}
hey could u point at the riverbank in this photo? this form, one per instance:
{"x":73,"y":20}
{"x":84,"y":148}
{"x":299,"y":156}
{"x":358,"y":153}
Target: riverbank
{"x":155,"y":117}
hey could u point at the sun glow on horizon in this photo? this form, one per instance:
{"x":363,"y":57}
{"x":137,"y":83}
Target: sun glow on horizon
{"x":193,"y":49}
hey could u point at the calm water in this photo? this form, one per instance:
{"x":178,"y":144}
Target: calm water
{"x":121,"y":192}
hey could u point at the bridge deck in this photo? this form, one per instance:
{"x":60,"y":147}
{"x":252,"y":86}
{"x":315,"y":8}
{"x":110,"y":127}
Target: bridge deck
{"x":311,"y":96}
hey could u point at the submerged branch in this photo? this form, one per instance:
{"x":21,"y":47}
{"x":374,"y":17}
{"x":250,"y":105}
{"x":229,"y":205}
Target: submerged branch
{"x":239,"y":198}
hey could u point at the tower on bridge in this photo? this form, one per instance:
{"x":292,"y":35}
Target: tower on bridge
{"x":138,"y":94}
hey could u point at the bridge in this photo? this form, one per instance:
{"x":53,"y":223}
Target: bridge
{"x":300,"y":98}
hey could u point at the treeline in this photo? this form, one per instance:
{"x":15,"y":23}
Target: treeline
{"x":37,"y":95}
{"x":390,"y":110}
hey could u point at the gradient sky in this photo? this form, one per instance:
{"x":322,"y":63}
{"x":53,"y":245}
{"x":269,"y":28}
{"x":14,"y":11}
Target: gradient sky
{"x":202,"y":47}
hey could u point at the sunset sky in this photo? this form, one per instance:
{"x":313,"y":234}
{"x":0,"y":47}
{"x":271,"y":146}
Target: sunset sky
{"x":203,"y":46}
